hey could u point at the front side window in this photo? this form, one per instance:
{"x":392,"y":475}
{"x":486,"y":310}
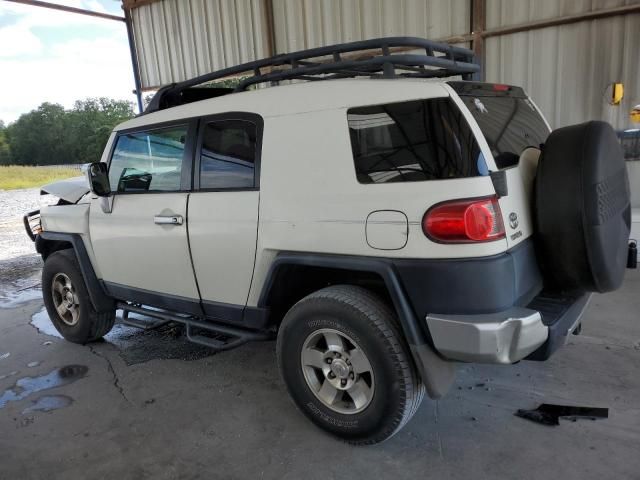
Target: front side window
{"x":148,"y":161}
{"x":413,"y":141}
{"x":228,"y":154}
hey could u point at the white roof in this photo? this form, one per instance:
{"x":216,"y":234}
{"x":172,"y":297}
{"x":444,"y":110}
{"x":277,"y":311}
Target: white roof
{"x":300,"y":98}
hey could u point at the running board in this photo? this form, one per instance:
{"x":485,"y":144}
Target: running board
{"x":141,"y":324}
{"x":213,"y":335}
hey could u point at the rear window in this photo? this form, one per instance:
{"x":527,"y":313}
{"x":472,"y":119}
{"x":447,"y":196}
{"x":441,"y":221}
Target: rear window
{"x":507,"y":118}
{"x":413,"y":141}
{"x":227,"y":158}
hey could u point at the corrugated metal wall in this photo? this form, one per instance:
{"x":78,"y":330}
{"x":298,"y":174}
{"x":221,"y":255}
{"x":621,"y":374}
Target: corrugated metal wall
{"x":180,"y":39}
{"x":566,"y":69}
{"x":303,"y":24}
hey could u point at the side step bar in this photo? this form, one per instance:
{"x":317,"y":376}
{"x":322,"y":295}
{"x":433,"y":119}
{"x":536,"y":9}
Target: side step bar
{"x":140,"y":323}
{"x":213,"y":335}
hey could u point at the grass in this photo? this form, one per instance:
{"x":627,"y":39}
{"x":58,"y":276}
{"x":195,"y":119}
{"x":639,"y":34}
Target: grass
{"x":14,"y":177}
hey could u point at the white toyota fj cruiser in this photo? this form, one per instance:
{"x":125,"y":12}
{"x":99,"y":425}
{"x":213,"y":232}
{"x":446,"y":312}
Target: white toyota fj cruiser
{"x":382,"y":226}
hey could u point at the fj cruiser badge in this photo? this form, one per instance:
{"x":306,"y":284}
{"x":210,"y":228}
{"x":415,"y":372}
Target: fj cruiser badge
{"x":513,"y":220}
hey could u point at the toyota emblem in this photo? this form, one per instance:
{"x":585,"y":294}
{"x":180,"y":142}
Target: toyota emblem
{"x":513,"y":220}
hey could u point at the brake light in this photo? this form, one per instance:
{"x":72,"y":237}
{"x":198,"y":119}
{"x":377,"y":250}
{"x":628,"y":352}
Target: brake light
{"x":500,"y":88}
{"x":464,"y":221}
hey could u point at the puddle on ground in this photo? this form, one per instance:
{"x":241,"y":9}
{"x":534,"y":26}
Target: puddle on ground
{"x":42,"y":322}
{"x":12,"y":300}
{"x":7,"y":375}
{"x":57,"y":378}
{"x":136,"y":345}
{"x":20,"y":280}
{"x":47,"y":403}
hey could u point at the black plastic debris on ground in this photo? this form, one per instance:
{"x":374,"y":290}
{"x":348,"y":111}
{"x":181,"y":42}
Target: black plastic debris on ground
{"x":550,"y":414}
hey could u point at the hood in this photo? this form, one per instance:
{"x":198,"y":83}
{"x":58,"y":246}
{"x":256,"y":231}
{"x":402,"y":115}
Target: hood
{"x":70,"y":190}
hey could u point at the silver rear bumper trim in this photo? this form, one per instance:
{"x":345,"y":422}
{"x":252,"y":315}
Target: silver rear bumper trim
{"x":503,"y":337}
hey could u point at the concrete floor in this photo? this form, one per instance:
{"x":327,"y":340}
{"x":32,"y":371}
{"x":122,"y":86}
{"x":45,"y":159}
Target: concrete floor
{"x":176,"y":412}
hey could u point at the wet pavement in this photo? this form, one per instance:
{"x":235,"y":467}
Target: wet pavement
{"x":27,"y":386}
{"x":19,"y":264}
{"x":147,"y":404}
{"x":135,"y":345}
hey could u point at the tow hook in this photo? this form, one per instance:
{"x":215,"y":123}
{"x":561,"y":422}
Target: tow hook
{"x":632,"y":257}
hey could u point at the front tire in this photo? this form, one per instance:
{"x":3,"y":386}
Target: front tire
{"x":67,"y":300}
{"x":346,"y":366}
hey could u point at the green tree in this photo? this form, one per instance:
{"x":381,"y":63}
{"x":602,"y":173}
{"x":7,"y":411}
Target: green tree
{"x":5,"y":154}
{"x":39,"y":137}
{"x":90,"y":123}
{"x":51,"y":135}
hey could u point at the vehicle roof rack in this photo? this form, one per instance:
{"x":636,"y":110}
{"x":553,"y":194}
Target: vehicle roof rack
{"x":377,"y":58}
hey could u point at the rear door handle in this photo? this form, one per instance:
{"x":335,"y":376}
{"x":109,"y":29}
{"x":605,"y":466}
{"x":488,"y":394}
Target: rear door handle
{"x":168,"y":220}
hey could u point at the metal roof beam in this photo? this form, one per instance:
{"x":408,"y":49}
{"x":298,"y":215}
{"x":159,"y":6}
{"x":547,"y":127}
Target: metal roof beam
{"x":63,"y":8}
{"x":137,"y":3}
{"x":564,"y":20}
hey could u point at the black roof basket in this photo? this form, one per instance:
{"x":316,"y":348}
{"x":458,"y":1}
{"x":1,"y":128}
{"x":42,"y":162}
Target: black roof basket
{"x":380,"y":58}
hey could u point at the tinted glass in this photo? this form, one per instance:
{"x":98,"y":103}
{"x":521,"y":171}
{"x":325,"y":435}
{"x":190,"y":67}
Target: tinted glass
{"x":510,"y":125}
{"x":148,"y":161}
{"x":413,"y":141}
{"x":228,"y":154}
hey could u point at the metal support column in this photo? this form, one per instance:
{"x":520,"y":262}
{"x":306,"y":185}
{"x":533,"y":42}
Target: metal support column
{"x":478,"y":25}
{"x":134,"y":58}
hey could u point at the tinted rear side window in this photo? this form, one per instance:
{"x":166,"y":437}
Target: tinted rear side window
{"x":413,"y":141}
{"x":227,"y":159}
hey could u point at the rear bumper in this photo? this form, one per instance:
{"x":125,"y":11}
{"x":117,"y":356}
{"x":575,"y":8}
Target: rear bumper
{"x":561,"y":314}
{"x":461,"y":286}
{"x":503,"y":337}
{"x":490,"y":309}
{"x":533,"y":332}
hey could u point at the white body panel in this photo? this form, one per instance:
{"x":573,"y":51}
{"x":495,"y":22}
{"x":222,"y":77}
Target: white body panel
{"x":317,"y":205}
{"x":70,"y":190}
{"x":66,"y":218}
{"x":222,"y":234}
{"x":133,"y":251}
{"x":387,"y":230}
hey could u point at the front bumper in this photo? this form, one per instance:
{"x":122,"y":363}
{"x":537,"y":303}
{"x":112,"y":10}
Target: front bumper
{"x":532,"y":332}
{"x":32,"y":224}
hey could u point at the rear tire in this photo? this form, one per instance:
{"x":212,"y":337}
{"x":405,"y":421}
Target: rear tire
{"x":67,"y":300}
{"x":346,"y":366}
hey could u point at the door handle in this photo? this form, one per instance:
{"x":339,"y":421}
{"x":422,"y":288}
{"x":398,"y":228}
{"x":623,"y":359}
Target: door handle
{"x":168,"y":220}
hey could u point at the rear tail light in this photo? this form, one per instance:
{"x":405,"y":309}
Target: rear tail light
{"x":464,"y":221}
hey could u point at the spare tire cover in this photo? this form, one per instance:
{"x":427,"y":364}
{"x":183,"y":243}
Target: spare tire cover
{"x":582,"y":208}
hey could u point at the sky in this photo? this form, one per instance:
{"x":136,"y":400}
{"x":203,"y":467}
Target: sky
{"x":60,"y":57}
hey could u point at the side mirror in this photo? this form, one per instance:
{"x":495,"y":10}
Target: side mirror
{"x":98,"y":176}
